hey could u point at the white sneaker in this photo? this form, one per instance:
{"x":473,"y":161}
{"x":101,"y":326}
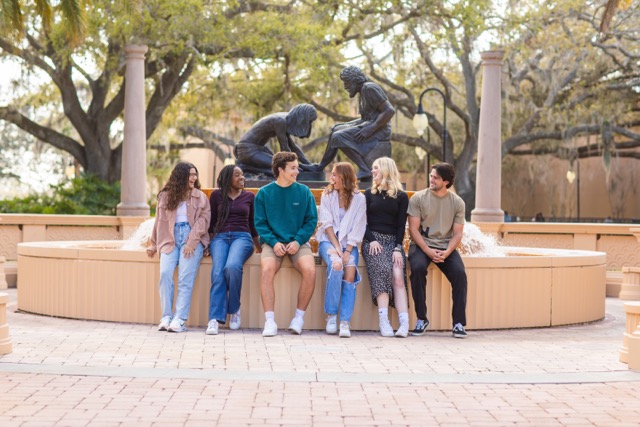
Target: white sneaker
{"x":332,"y":324}
{"x":270,"y":329}
{"x":385,"y":327}
{"x":234,"y":323}
{"x":345,"y":331}
{"x":403,"y":330}
{"x":177,"y":325}
{"x":212,"y":328}
{"x":164,"y":323}
{"x":296,"y":325}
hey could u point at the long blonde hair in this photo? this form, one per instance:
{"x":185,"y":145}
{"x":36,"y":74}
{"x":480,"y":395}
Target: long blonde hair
{"x":391,"y":180}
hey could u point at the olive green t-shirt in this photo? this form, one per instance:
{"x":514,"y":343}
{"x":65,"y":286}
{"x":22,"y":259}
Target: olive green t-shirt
{"x":437,"y":215}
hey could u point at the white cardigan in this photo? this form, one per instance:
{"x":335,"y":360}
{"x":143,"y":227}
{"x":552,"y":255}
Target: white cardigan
{"x":351,"y":229}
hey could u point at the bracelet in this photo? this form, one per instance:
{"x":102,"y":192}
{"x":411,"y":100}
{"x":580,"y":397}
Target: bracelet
{"x":348,"y":250}
{"x":397,"y":250}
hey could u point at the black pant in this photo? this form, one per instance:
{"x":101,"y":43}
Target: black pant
{"x":452,"y":268}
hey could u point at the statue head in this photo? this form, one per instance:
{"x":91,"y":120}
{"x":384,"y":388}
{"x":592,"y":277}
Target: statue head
{"x":353,"y":79}
{"x":300,"y":119}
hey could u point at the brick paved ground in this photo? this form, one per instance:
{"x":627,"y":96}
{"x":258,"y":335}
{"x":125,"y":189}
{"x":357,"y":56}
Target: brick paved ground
{"x":78,"y":373}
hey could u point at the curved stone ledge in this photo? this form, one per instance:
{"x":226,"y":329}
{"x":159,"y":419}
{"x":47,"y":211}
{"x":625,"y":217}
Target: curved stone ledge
{"x":93,"y":280}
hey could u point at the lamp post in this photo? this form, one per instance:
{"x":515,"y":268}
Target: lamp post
{"x":420,"y":120}
{"x":571,"y":176}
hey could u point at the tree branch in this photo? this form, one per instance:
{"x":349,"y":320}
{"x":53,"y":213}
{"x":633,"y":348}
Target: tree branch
{"x":44,"y":134}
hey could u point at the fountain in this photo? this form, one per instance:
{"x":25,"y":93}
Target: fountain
{"x":509,"y":287}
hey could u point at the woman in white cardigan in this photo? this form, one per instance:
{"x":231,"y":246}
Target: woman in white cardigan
{"x":342,"y":223}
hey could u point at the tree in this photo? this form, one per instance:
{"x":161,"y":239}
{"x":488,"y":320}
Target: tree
{"x":88,"y":77}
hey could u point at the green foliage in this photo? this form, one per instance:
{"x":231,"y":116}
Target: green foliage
{"x":85,"y":195}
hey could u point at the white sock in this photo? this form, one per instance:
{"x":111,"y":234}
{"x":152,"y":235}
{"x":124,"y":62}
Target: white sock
{"x":403,"y":317}
{"x":383,"y":312}
{"x":299,"y":313}
{"x":269,"y":315}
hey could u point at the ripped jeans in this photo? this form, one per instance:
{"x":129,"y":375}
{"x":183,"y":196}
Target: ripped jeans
{"x":338,"y":293}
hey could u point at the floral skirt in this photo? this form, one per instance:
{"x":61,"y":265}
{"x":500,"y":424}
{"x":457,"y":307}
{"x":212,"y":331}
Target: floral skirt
{"x":380,"y":267}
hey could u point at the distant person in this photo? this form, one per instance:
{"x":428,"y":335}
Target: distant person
{"x":436,"y":222}
{"x":382,"y":245}
{"x":359,"y":137}
{"x":180,"y":235}
{"x":507,"y":217}
{"x":608,"y":220}
{"x":341,"y":225}
{"x":233,"y":239}
{"x":252,"y":151}
{"x":539,"y":217}
{"x":285,"y":218}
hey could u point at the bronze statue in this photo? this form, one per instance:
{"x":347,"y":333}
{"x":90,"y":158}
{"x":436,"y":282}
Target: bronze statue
{"x":251,"y":152}
{"x":367,"y":138}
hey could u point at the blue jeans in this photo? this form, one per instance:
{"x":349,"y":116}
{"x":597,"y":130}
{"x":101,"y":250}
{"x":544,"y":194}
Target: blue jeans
{"x":338,"y":292}
{"x":229,"y":252}
{"x":187,"y":270}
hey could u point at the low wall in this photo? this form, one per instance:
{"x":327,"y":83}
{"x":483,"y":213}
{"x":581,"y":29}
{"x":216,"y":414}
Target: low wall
{"x":91,"y":280}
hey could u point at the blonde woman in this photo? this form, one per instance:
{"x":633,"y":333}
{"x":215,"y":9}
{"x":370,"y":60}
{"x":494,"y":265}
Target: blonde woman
{"x":382,"y":248}
{"x":342,"y":222}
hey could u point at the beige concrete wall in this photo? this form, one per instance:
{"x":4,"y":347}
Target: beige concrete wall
{"x":520,"y":291}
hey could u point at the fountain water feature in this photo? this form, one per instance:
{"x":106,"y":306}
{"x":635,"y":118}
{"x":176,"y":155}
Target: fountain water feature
{"x":508,"y":287}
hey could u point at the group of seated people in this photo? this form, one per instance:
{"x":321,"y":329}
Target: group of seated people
{"x":279,"y":221}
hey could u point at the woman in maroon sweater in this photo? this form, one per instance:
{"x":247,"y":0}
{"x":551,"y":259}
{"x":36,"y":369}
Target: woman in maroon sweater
{"x":233,"y":239}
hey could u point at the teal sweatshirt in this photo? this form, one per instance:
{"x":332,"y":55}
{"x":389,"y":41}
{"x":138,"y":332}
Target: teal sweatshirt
{"x":285,"y":214}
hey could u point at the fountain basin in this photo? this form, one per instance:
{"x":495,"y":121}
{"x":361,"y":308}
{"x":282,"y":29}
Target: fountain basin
{"x":96,"y":280}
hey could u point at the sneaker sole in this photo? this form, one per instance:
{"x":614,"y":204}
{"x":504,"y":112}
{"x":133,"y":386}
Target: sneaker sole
{"x":234,"y":327}
{"x":162,"y":329}
{"x":459,"y":336}
{"x":268,"y":334}
{"x":211,"y":332}
{"x":401,"y":335}
{"x":345,"y":335}
{"x":293,"y":331}
{"x":417,"y":334}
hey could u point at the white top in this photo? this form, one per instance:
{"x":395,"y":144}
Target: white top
{"x":181,"y":213}
{"x":350,"y":228}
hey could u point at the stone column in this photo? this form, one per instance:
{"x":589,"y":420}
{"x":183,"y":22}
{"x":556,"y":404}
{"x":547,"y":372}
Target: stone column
{"x":489,"y":167}
{"x":134,"y":156}
{"x":3,"y":278}
{"x":6,"y":346}
{"x":630,"y":288}
{"x":630,"y":351}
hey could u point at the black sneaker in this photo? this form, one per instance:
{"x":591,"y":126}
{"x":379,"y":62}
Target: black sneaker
{"x":421,"y":327}
{"x":458,"y":331}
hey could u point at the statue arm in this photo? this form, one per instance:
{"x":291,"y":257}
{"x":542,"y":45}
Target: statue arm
{"x":386,"y":111}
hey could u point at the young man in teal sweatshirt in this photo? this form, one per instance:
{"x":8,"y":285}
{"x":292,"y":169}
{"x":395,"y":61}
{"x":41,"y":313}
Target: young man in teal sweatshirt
{"x":285,"y":218}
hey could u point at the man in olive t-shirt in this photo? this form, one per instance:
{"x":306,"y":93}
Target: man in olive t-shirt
{"x":436,"y":221}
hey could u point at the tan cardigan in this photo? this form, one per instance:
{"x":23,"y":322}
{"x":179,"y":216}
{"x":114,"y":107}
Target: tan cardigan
{"x":198,"y":214}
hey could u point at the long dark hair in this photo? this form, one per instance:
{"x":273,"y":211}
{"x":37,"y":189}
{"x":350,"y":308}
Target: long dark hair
{"x":177,"y":187}
{"x":224,"y":184}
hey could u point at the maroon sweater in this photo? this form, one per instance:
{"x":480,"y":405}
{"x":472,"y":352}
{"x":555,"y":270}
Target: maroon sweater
{"x":240,"y":213}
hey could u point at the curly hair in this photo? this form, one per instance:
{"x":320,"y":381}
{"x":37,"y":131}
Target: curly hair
{"x":353,"y":74}
{"x":177,"y":187}
{"x":299,"y":120}
{"x":391,"y":180}
{"x":280,"y":160}
{"x":224,"y":184}
{"x":349,"y":182}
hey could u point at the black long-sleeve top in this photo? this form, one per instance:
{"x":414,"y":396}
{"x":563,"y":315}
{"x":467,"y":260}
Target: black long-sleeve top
{"x":386,"y":215}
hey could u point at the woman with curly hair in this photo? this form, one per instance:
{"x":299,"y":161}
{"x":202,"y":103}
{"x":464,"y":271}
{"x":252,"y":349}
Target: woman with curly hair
{"x":233,"y":239}
{"x":180,"y":235}
{"x":341,"y":225}
{"x":382,"y":245}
